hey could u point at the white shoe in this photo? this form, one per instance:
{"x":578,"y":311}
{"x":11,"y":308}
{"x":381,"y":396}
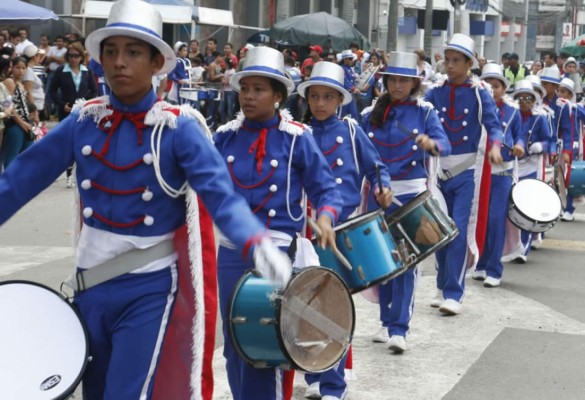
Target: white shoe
{"x":567,"y":216}
{"x":536,"y":241}
{"x":69,"y":182}
{"x":397,"y":344}
{"x":478,"y":274}
{"x":521,"y":259}
{"x":381,"y":336}
{"x":313,"y":391}
{"x":491,"y":282}
{"x":438,"y":299}
{"x":450,"y":307}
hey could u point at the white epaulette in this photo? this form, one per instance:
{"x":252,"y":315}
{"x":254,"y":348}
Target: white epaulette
{"x":478,"y":83}
{"x":287,"y":124}
{"x":563,"y":102}
{"x":539,"y":111}
{"x":421,"y":102}
{"x":368,"y":109}
{"x":510,"y":102}
{"x":95,"y":108}
{"x":349,"y":120}
{"x":233,"y":125}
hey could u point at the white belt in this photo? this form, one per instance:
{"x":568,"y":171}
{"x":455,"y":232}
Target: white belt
{"x":279,"y":239}
{"x":408,"y":186}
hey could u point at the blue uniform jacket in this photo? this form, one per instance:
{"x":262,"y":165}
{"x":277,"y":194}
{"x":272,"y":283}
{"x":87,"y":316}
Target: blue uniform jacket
{"x":509,"y":115}
{"x":395,"y":140}
{"x":458,"y":107}
{"x":117,"y":179}
{"x":535,"y":129}
{"x":562,"y":125}
{"x":349,"y":162}
{"x":348,"y":77}
{"x":275,"y":193}
{"x":180,"y":72}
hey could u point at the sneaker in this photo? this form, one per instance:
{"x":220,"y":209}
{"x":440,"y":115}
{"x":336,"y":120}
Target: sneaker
{"x":450,"y":307}
{"x":478,"y":274}
{"x":313,"y":391}
{"x":491,"y":282}
{"x":521,"y":259}
{"x":69,"y":182}
{"x":536,"y":242}
{"x":381,"y":336}
{"x":438,"y":299}
{"x":397,"y":344}
{"x":567,"y":216}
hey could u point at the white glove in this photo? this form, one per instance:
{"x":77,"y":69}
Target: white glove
{"x":272,"y":263}
{"x":535,"y":148}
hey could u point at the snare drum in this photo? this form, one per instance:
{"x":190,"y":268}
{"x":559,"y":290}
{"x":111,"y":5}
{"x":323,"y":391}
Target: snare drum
{"x":534,"y":206}
{"x":420,"y":228}
{"x":43,"y":343}
{"x":307,"y":326}
{"x":368,"y":247}
{"x":577,"y":181}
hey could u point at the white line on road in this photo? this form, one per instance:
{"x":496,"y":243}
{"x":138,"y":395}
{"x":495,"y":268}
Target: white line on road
{"x":17,"y":258}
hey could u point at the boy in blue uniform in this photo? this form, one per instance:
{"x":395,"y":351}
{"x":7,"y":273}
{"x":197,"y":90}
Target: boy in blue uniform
{"x":465,"y":107}
{"x":139,"y":162}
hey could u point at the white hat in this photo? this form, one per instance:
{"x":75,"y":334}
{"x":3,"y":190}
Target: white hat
{"x":328,"y":74}
{"x":493,"y":70}
{"x":525,"y":86}
{"x":463,"y":44}
{"x":550,"y":74}
{"x":570,"y":60}
{"x":537,"y":84}
{"x":178,"y":46}
{"x":136,"y":19}
{"x":346,"y":54}
{"x":568,"y":84}
{"x":403,"y":64}
{"x":266,"y":62}
{"x":30,"y":51}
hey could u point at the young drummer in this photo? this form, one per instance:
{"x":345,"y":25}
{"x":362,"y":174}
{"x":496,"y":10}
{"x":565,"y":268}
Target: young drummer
{"x":351,"y":157}
{"x":405,"y":130}
{"x":466,"y":110}
{"x":139,"y":162}
{"x":489,"y":267}
{"x":272,"y":161}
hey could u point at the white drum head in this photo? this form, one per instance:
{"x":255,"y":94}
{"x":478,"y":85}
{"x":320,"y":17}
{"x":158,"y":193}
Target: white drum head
{"x":536,"y":200}
{"x":43,"y":344}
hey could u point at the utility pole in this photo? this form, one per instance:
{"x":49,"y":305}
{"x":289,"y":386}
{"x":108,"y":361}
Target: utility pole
{"x":393,"y":26}
{"x":428,"y":38}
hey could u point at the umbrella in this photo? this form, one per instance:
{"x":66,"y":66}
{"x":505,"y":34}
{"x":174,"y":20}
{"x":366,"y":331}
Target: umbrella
{"x":15,"y":11}
{"x":319,"y":28}
{"x":575,"y":47}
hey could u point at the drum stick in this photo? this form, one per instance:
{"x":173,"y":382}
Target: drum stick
{"x":335,"y":251}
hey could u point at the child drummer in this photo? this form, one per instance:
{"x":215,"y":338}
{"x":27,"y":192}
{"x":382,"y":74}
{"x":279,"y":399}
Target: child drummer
{"x":406,"y":131}
{"x":351,"y":157}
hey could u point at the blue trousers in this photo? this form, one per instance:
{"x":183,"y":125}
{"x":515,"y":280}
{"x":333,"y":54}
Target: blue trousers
{"x":126,"y":318}
{"x":246,"y":382}
{"x":331,"y":382}
{"x":490,"y":260}
{"x":452,"y":259}
{"x":14,"y":143}
{"x":397,"y":295}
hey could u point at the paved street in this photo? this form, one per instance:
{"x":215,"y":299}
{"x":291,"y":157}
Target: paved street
{"x":524,"y":340}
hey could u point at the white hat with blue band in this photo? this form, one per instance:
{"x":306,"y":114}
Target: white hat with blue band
{"x":328,"y":74}
{"x":403,"y":64}
{"x":463,"y":44}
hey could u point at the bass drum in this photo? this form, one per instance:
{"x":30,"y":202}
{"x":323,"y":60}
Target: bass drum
{"x":43,"y":343}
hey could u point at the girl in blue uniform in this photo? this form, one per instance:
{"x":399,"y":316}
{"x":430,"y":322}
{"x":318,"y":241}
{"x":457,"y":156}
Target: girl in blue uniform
{"x":489,"y":267}
{"x":405,"y":130}
{"x":351,"y":157}
{"x":536,"y":134}
{"x":465,"y":108}
{"x":272,"y":161}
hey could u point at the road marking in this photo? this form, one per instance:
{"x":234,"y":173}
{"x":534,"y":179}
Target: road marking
{"x":17,"y":258}
{"x":563,"y":244}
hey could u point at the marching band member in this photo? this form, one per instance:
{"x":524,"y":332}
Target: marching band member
{"x":180,"y":75}
{"x":465,"y":108}
{"x":351,"y":157}
{"x":347,"y":59}
{"x":404,"y":129}
{"x":489,"y":268}
{"x":139,"y":162}
{"x":536,"y":134}
{"x":272,"y":160}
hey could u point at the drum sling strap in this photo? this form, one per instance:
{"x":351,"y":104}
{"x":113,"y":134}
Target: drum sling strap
{"x":123,"y":264}
{"x":447,"y":174}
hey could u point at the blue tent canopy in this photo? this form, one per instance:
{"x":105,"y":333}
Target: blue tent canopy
{"x":15,"y":11}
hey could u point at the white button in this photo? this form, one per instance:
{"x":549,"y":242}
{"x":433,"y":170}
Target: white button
{"x":86,"y":150}
{"x":147,"y":195}
{"x":504,"y":124}
{"x":529,"y":131}
{"x":465,"y":138}
{"x":413,"y":163}
{"x":86,"y":184}
{"x":273,"y":188}
{"x":442,"y":120}
{"x":230,"y":159}
{"x":415,"y":131}
{"x":414,"y":147}
{"x":444,"y":109}
{"x":87,"y":212}
{"x":272,"y":213}
{"x":339,"y":139}
{"x":148,"y":220}
{"x":339,"y":181}
{"x":274,"y":163}
{"x":339,"y":162}
{"x":371,"y":134}
{"x":464,"y":123}
{"x":466,"y":111}
{"x":147,"y":158}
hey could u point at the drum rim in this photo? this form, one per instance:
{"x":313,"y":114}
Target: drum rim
{"x":77,"y":380}
{"x":362,"y":218}
{"x":515,"y":207}
{"x":396,"y":215}
{"x":280,"y":336}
